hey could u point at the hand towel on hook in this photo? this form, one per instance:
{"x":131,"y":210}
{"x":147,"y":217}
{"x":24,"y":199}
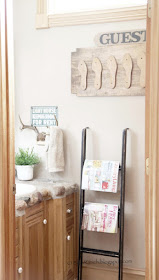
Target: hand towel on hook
{"x":100,"y":175}
{"x":100,"y":217}
{"x":55,"y":152}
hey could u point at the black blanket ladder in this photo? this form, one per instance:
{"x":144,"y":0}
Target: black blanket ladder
{"x":119,"y":253}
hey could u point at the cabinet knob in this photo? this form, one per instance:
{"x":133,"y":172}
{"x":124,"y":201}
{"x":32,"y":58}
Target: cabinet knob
{"x":69,"y":211}
{"x":68,"y":237}
{"x":20,"y":270}
{"x":44,"y":221}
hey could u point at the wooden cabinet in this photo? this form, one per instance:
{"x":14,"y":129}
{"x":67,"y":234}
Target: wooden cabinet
{"x":71,"y":237}
{"x":46,"y":241}
{"x":70,"y":250}
{"x":18,"y":244}
{"x":33,"y":233}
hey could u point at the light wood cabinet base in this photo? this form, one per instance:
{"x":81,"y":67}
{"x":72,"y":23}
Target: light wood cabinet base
{"x":46,"y":240}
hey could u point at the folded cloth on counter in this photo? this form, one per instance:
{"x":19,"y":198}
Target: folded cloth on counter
{"x":100,"y":217}
{"x":55,"y":153}
{"x":100,"y":175}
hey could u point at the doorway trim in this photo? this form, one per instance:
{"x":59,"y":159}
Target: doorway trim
{"x":152,"y":144}
{"x":7,"y":214}
{"x":7,"y":166}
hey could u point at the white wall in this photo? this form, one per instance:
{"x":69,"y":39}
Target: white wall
{"x":43,"y":77}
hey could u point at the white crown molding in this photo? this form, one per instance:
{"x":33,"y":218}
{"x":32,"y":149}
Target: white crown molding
{"x":123,"y":14}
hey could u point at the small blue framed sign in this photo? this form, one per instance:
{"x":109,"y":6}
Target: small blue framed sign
{"x":44,"y":116}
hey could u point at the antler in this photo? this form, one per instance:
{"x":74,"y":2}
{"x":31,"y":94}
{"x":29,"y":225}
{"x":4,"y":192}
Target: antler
{"x":40,"y":135}
{"x":28,"y":126}
{"x":56,"y":120}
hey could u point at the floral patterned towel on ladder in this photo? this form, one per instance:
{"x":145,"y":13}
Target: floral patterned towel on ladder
{"x":100,"y":175}
{"x":100,"y":217}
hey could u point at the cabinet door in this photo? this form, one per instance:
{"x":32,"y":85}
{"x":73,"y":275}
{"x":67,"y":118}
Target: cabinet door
{"x":18,"y":249}
{"x":71,"y":260}
{"x":17,"y":266}
{"x":70,"y":249}
{"x":34,"y":247}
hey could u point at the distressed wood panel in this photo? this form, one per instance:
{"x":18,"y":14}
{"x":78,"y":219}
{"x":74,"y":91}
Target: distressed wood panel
{"x":103,"y":53}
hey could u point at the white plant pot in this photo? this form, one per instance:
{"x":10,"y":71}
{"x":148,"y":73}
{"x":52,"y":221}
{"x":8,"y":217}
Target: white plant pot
{"x":25,"y":172}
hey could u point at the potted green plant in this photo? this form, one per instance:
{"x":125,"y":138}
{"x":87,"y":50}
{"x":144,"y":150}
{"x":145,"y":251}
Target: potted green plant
{"x":25,"y":161}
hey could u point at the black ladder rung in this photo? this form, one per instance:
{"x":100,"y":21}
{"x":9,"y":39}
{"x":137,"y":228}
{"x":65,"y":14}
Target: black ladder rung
{"x":100,"y":252}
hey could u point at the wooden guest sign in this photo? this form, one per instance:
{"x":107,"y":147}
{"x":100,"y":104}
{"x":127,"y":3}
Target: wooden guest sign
{"x":120,"y":37}
{"x":113,"y":70}
{"x":116,"y":67}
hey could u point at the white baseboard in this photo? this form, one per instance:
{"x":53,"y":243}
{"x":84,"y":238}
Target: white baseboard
{"x":101,"y":272}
